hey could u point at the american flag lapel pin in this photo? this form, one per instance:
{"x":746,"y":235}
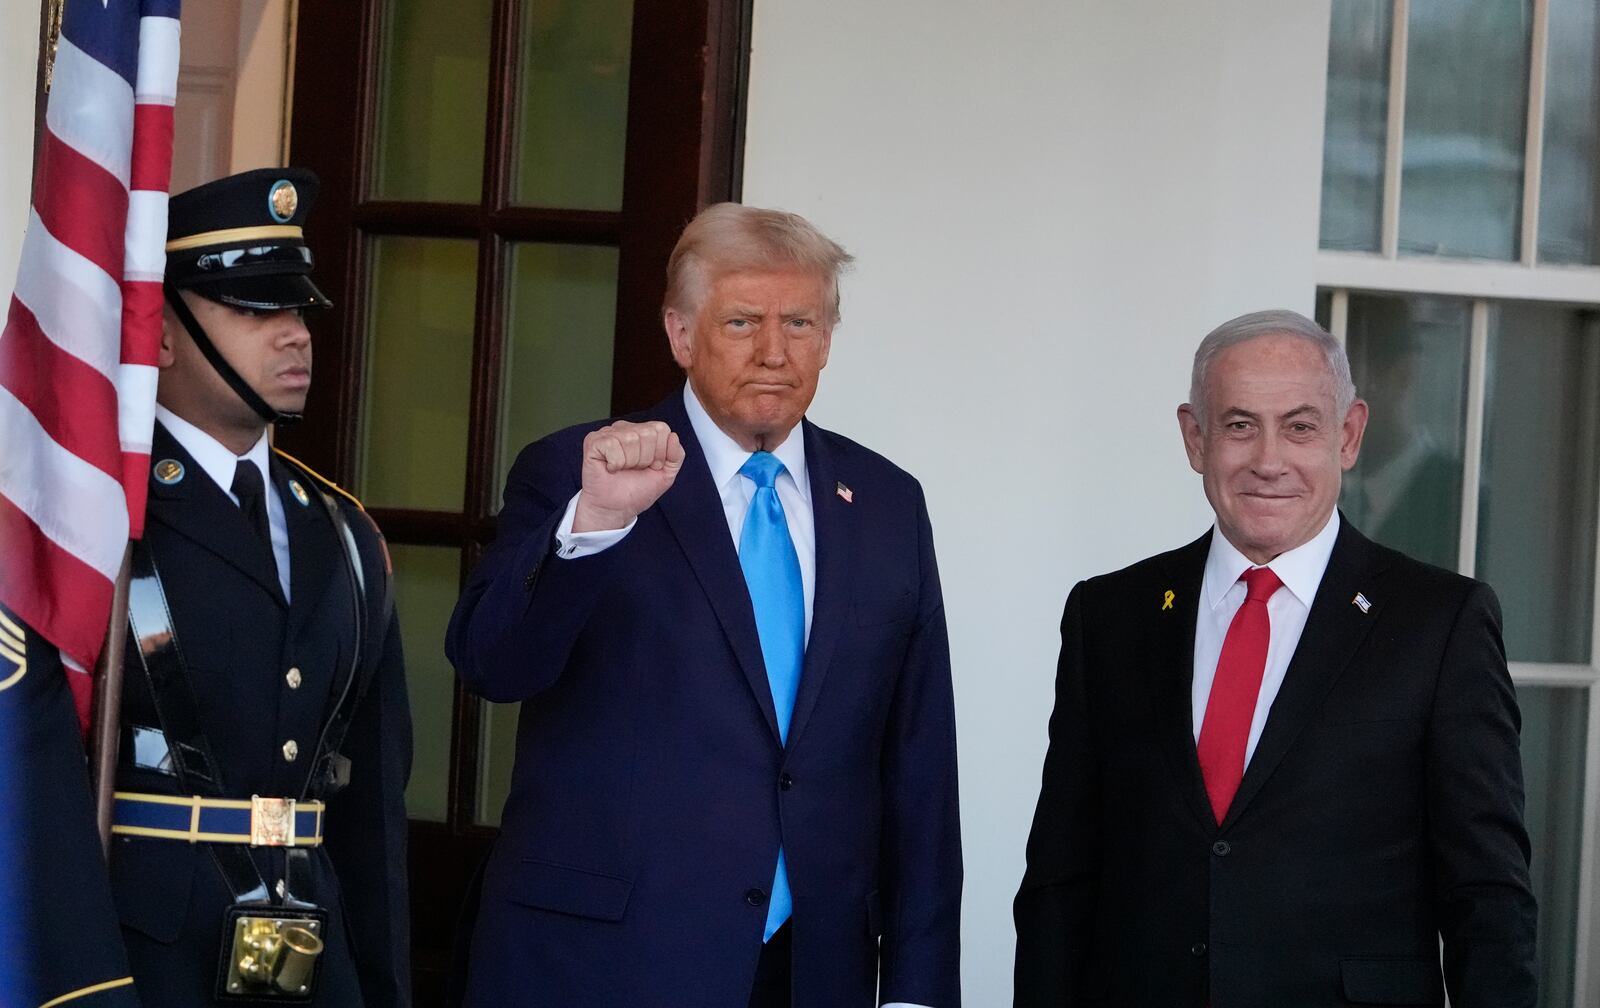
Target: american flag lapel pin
{"x":1360,"y":602}
{"x":845,"y":492}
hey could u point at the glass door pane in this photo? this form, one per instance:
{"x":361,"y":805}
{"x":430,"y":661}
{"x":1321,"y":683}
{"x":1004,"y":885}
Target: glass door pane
{"x":419,"y":364}
{"x":559,"y":337}
{"x":1555,"y":727}
{"x":426,"y":581}
{"x":1569,"y":196}
{"x":573,"y":115}
{"x":1541,"y":468}
{"x":1408,"y":356}
{"x":1357,"y":124}
{"x":1461,"y":180}
{"x":497,"y":753}
{"x":432,"y":100}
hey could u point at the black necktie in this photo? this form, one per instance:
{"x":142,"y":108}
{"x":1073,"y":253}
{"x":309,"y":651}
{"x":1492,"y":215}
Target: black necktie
{"x":252,"y":494}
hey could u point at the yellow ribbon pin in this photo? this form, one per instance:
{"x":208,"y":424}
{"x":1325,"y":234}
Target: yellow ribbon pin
{"x":1166,"y":601}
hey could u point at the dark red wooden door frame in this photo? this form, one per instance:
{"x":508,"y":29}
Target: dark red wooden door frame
{"x":683,"y":151}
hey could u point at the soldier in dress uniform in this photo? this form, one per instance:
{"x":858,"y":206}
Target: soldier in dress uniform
{"x":259,"y":849}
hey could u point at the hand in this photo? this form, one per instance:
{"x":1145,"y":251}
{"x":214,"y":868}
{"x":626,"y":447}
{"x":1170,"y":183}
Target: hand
{"x":626,"y":468}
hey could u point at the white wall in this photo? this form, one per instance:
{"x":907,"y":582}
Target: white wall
{"x":19,"y":62}
{"x":1051,"y":202}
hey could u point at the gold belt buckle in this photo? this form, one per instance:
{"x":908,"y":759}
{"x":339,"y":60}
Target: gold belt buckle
{"x":271,"y":822}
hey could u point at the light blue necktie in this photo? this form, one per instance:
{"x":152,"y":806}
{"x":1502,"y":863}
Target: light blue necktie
{"x":772,"y":573}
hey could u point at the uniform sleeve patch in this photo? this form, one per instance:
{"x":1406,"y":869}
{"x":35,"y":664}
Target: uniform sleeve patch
{"x":13,"y":651}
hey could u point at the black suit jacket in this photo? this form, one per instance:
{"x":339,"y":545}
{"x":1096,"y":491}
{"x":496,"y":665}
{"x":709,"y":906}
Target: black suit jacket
{"x":239,"y":638}
{"x":1381,"y":811}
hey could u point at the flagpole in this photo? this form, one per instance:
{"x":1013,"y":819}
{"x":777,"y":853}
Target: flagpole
{"x":105,"y":739}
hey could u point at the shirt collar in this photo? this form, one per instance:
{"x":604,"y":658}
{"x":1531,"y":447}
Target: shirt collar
{"x":1300,"y":569}
{"x":724,"y":457}
{"x":210,"y":454}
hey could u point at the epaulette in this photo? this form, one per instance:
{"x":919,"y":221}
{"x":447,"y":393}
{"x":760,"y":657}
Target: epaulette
{"x":327,"y":484}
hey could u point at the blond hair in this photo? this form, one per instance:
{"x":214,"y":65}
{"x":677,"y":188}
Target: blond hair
{"x":730,"y":237}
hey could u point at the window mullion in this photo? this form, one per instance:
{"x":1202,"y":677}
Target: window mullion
{"x":1594,"y":633}
{"x":1472,"y":451}
{"x":1533,"y":157}
{"x":1394,"y":145}
{"x":1339,"y":315}
{"x":1587,"y":946}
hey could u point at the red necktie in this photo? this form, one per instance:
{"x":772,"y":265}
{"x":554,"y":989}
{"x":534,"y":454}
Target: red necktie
{"x":1225,"y":732}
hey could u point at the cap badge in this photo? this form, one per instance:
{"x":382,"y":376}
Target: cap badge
{"x":299,"y":492}
{"x":169,"y":471}
{"x":283,"y":200}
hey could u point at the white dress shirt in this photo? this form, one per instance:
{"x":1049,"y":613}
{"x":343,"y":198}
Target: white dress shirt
{"x":724,"y":457}
{"x":1221,"y":595}
{"x":219,"y":463}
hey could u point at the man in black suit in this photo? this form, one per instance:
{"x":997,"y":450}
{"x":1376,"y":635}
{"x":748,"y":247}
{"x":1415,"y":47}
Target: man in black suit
{"x":1283,"y":761}
{"x":266,"y":734}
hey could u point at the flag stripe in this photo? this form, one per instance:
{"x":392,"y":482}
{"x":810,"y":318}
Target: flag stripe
{"x":142,"y":301}
{"x":76,"y":505}
{"x":101,"y":130}
{"x":136,"y":399}
{"x":157,"y":82}
{"x":78,"y":306}
{"x":81,"y":205}
{"x":33,"y":369}
{"x":54,"y":588}
{"x":151,"y":168}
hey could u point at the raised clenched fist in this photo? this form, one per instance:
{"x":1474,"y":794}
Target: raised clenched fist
{"x":626,"y":468}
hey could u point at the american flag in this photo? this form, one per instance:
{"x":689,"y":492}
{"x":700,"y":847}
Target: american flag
{"x":79,"y":348}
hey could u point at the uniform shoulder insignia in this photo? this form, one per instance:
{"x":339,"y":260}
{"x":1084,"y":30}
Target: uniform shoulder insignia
{"x":322,"y":481}
{"x":13,"y":651}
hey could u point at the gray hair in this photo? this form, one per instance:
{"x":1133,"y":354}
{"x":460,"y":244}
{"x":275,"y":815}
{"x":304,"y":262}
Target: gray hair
{"x":1274,"y":322}
{"x":730,"y":237}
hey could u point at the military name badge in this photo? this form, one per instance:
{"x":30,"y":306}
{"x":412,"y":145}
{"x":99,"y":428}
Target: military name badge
{"x":169,"y":471}
{"x":13,"y":652}
{"x":300,"y":496}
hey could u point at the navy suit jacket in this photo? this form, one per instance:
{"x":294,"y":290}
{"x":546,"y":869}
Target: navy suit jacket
{"x":651,"y":791}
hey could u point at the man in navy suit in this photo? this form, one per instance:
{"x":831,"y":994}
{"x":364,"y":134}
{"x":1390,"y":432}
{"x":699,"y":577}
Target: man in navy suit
{"x":736,"y":766}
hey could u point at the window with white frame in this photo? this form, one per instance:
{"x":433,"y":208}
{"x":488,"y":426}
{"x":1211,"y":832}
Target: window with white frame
{"x":1460,"y":264}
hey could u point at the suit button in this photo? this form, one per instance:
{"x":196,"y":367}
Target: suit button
{"x":292,"y":677}
{"x":291,"y":749}
{"x":1221,"y":848}
{"x":785,"y":782}
{"x":1198,"y":949}
{"x":756,"y":897}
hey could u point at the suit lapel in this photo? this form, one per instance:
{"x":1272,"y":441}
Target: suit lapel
{"x":835,"y":547}
{"x":197,"y":509}
{"x":692,"y":508}
{"x":1172,"y":662}
{"x":1334,"y":630}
